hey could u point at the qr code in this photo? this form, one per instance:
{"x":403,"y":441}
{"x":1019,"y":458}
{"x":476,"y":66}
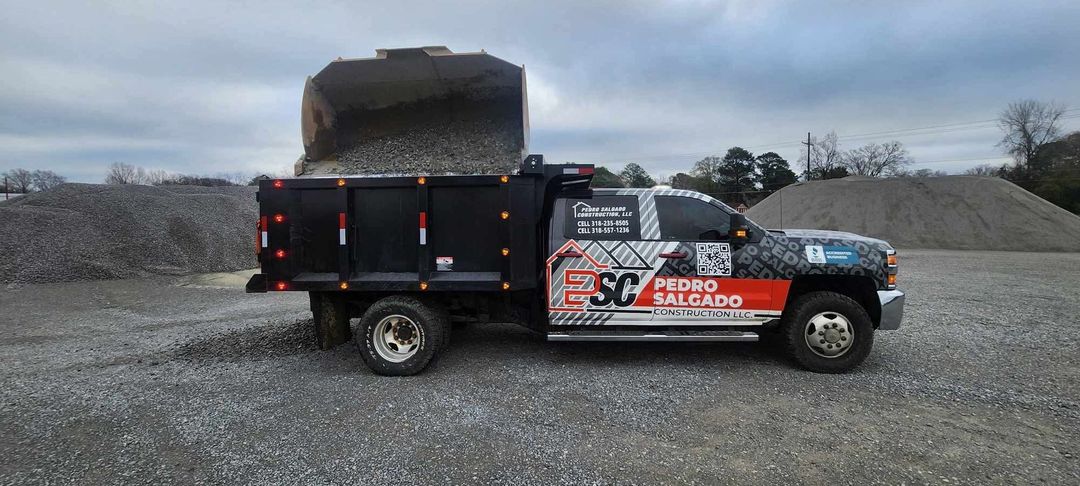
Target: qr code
{"x":713,"y":259}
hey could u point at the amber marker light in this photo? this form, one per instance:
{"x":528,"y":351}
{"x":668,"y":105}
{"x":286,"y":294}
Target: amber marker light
{"x":423,"y":285}
{"x":506,"y":285}
{"x":341,"y":182}
{"x":343,"y":286}
{"x":421,"y":180}
{"x":891,"y":279}
{"x":505,"y":215}
{"x":891,"y":259}
{"x":505,"y":251}
{"x":504,"y":179}
{"x":740,"y":233}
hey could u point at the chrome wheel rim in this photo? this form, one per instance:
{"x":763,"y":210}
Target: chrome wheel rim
{"x":829,"y":334}
{"x":396,"y":338}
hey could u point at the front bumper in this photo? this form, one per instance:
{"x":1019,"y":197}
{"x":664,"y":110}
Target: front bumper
{"x":892,"y":309}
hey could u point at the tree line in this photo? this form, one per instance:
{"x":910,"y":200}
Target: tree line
{"x":1045,"y":162}
{"x":121,"y":173}
{"x":740,"y":177}
{"x":22,"y":181}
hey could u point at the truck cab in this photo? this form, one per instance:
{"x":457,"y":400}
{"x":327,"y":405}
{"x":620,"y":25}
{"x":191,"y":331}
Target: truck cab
{"x":670,"y":265}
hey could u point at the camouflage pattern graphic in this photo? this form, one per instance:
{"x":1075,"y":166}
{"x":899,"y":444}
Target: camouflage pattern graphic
{"x":775,"y":255}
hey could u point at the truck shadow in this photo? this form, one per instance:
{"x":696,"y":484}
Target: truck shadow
{"x":502,"y":342}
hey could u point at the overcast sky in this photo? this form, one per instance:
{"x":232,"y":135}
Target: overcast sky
{"x":203,"y":87}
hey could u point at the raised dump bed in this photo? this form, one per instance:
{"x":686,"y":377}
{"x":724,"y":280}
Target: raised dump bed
{"x":420,"y":110}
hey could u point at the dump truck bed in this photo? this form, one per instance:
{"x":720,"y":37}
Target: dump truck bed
{"x":432,"y":233}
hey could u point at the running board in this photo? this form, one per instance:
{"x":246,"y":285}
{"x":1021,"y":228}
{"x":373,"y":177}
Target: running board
{"x":690,"y":337}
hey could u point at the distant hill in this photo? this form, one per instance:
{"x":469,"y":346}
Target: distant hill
{"x":953,"y":212}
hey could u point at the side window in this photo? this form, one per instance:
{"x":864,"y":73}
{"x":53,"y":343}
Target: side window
{"x":686,"y":219}
{"x":603,"y":218}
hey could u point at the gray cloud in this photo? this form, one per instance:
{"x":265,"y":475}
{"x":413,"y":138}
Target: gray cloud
{"x":204,"y":87}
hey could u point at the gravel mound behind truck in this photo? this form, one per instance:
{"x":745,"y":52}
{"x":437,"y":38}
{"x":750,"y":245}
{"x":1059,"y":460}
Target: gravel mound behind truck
{"x":90,"y":231}
{"x":954,"y":212}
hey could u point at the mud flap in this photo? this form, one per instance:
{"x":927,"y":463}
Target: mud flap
{"x":330,"y":320}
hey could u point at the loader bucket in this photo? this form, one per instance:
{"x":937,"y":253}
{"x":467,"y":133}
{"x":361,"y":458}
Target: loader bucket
{"x":420,"y":110}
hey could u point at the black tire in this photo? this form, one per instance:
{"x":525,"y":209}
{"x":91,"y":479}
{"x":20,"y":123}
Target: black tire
{"x":432,"y":327}
{"x":330,"y":319}
{"x":809,"y":305}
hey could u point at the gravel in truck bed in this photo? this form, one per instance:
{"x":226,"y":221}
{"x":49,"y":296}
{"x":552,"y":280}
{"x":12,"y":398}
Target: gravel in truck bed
{"x":157,"y":381}
{"x":478,"y":146}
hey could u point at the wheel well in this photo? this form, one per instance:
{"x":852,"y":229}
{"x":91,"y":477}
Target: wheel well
{"x":860,"y":289}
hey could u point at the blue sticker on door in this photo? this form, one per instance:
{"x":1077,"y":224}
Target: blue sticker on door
{"x":836,"y":255}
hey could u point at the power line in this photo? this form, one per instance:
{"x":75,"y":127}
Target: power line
{"x":898,"y":133}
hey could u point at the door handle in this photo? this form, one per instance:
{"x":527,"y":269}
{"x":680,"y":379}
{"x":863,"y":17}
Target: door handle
{"x":677,"y":254}
{"x":568,"y":254}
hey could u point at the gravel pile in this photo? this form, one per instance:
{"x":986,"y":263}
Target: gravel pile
{"x":90,"y":231}
{"x":472,"y":147}
{"x":141,"y":382}
{"x":954,"y":212}
{"x":443,"y":137}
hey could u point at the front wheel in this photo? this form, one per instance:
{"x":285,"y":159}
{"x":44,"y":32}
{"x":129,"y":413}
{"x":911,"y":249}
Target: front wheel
{"x":827,"y":332}
{"x":401,"y":335}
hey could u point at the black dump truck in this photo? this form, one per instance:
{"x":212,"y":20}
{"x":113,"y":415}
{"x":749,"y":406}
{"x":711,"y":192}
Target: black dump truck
{"x":408,"y":256}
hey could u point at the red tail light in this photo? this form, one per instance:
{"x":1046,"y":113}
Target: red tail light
{"x":281,"y":286}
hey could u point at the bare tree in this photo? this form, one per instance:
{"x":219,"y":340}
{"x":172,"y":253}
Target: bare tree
{"x":1028,"y":126}
{"x":20,"y":180}
{"x":877,"y":159}
{"x":825,"y":153}
{"x":157,"y":177}
{"x":121,"y":173}
{"x":235,"y":178}
{"x":986,"y":170}
{"x":46,"y":179}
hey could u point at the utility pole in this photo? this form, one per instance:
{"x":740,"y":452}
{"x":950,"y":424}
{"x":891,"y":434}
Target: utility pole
{"x":809,"y":145}
{"x":5,"y":188}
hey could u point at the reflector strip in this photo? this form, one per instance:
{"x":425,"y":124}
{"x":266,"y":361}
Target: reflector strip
{"x":578,"y":171}
{"x":423,"y":227}
{"x":263,"y":226}
{"x":341,"y":228}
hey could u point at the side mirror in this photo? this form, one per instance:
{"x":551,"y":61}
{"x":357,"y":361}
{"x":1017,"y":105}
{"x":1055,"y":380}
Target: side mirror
{"x":739,"y":232}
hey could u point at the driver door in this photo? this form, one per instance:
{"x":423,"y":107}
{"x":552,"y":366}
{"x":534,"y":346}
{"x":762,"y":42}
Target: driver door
{"x":698,"y":281}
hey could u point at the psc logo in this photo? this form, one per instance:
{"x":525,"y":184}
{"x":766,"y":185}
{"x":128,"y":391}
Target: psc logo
{"x":599,"y":288}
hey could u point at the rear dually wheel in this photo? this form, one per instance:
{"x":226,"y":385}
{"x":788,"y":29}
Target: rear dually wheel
{"x":400,"y":335}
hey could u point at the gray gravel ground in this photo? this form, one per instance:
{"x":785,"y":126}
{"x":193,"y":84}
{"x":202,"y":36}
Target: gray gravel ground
{"x":148,"y":381}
